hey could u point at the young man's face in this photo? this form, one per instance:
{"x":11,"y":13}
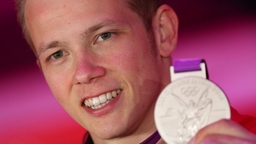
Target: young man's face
{"x":89,"y":50}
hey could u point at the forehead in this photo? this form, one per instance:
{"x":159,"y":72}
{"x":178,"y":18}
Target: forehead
{"x":37,"y":7}
{"x":52,"y":14}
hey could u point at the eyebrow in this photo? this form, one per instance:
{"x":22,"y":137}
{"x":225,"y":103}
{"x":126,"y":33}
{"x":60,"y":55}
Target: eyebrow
{"x":56,"y":43}
{"x":99,"y":26}
{"x":50,"y":45}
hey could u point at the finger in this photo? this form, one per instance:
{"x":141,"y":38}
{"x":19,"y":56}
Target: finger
{"x":225,"y":139}
{"x":224,"y":127}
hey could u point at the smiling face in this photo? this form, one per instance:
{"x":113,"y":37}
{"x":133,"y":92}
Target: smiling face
{"x":99,"y":63}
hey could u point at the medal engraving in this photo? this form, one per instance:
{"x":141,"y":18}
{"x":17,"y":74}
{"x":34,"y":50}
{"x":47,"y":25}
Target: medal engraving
{"x":187,"y":105}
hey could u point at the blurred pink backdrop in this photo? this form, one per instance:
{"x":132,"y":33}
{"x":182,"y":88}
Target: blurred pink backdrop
{"x":222,"y":32}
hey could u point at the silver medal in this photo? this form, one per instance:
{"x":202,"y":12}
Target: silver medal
{"x":186,"y":105}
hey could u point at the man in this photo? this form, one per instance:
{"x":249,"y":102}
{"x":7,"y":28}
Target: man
{"x":106,"y":63}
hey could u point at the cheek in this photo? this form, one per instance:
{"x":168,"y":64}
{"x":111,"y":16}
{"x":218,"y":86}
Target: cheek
{"x":59,"y":83}
{"x":137,"y":68}
{"x":131,"y":54}
{"x":123,"y":63}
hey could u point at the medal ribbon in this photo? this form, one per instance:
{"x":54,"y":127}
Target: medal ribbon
{"x":188,"y":67}
{"x":185,"y":65}
{"x":153,"y":139}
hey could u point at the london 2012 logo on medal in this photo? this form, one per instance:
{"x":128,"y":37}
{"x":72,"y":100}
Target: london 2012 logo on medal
{"x":187,"y":105}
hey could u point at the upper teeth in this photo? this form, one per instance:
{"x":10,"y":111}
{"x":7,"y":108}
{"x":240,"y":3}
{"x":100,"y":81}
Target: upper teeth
{"x":100,"y":101}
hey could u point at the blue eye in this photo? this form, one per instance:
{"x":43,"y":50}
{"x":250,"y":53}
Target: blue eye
{"x":104,"y":36}
{"x":56,"y":55}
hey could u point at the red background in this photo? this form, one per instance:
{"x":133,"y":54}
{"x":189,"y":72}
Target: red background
{"x":221,"y":31}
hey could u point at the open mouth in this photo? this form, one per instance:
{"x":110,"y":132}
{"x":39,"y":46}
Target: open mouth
{"x":102,"y":100}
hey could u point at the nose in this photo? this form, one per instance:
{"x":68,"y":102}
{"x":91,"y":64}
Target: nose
{"x":87,"y":70}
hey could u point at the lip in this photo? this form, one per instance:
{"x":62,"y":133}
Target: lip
{"x":103,"y":110}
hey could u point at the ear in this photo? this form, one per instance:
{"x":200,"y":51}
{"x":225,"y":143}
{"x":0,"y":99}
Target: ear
{"x":165,"y":25}
{"x":38,"y":63}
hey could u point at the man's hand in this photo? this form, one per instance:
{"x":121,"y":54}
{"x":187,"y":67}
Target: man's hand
{"x":224,"y":132}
